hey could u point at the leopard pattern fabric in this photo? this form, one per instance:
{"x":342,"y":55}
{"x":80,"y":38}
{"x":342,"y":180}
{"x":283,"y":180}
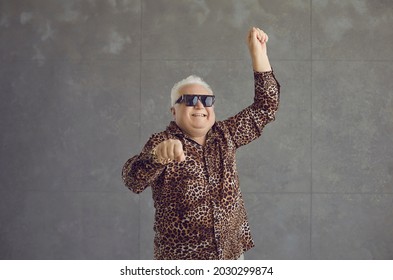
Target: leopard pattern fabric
{"x":199,"y":208}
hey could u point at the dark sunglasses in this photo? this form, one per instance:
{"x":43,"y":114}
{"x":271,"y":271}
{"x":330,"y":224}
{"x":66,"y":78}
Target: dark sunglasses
{"x":192,"y":99}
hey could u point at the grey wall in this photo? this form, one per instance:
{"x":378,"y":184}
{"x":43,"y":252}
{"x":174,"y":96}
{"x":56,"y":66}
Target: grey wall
{"x":84,"y":83}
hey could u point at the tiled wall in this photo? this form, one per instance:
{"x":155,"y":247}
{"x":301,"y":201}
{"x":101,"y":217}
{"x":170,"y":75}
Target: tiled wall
{"x":83,"y":84}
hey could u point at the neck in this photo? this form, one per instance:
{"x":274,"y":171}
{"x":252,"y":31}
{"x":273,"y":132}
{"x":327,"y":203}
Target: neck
{"x":201,"y":140}
{"x":198,"y":136}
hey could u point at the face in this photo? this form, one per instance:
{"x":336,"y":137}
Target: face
{"x":196,"y":120}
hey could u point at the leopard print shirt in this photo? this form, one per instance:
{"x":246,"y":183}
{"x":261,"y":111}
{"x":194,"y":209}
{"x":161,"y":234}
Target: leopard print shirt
{"x":199,"y":209}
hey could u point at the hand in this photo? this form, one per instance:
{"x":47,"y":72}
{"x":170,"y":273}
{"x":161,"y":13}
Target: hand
{"x":256,"y":41}
{"x":168,"y":150}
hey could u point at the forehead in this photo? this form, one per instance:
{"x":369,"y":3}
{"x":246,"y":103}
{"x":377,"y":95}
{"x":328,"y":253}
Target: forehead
{"x":194,"y":89}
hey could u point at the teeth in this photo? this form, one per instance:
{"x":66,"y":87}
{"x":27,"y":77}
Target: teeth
{"x":199,"y":115}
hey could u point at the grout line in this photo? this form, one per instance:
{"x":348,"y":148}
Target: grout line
{"x":271,"y":58}
{"x":322,"y":193}
{"x":140,"y":72}
{"x":311,"y":135}
{"x":140,"y":119}
{"x":120,"y":59}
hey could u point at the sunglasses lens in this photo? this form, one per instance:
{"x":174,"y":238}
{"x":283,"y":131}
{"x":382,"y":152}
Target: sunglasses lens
{"x":207,"y":101}
{"x":194,"y":100}
{"x":190,"y":100}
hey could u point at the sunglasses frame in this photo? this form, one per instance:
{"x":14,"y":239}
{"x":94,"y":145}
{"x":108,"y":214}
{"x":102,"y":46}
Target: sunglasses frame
{"x":188,"y":99}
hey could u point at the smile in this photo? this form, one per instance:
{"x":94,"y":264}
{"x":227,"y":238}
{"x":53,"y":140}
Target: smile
{"x":199,"y":115}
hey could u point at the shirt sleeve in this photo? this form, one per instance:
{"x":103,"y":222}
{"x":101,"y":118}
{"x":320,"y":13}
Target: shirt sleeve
{"x":247,"y":125}
{"x":140,"y":171}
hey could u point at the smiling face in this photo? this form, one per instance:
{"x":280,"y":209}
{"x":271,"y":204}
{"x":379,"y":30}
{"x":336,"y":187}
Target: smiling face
{"x":196,"y":120}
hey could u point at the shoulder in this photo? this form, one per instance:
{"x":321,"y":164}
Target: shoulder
{"x":220,"y":129}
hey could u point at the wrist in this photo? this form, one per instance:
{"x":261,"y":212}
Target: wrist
{"x":261,"y":64}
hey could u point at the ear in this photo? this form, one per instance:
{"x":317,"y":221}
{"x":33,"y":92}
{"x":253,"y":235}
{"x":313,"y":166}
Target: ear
{"x":173,"y":111}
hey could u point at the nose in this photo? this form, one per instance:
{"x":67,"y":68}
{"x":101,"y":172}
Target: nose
{"x":199,"y":104}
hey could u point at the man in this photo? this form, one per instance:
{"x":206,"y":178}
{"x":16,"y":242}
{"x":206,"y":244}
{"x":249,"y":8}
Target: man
{"x":191,"y":167}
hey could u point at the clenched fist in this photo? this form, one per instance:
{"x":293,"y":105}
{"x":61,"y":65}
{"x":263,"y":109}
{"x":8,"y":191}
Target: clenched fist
{"x":168,"y":150}
{"x":256,"y":41}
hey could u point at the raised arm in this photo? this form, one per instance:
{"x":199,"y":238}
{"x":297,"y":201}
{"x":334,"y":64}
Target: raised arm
{"x":247,"y":125}
{"x":256,"y":41}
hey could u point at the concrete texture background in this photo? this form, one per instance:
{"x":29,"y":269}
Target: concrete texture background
{"x":83,"y":84}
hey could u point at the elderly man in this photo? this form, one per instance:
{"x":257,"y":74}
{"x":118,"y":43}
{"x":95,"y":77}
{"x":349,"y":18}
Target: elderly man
{"x":191,"y":167}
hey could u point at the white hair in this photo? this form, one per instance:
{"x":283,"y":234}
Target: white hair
{"x":190,"y":80}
